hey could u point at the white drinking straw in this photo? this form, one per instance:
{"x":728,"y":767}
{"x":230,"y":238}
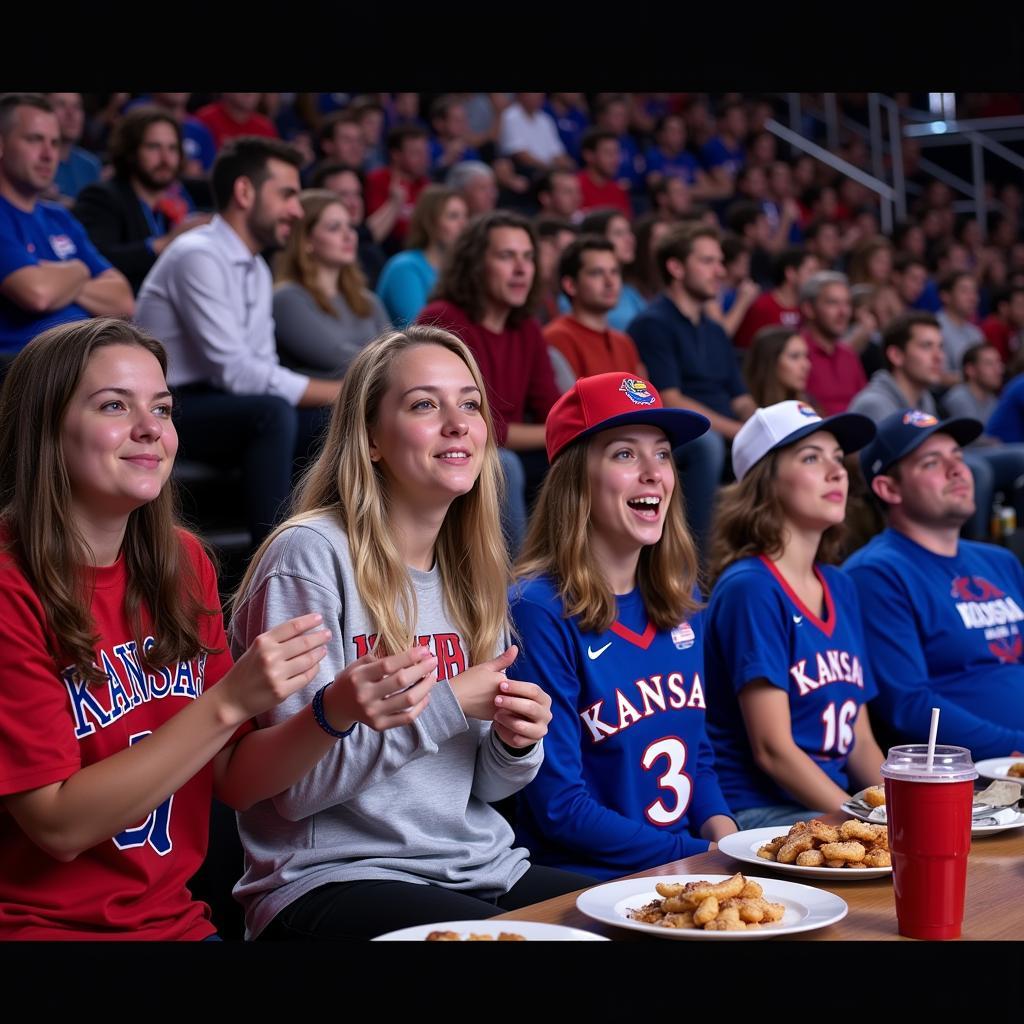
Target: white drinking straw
{"x":932,"y":733}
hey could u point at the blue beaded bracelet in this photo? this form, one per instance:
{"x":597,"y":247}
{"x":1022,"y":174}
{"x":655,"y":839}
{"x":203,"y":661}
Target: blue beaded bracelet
{"x":321,"y":718}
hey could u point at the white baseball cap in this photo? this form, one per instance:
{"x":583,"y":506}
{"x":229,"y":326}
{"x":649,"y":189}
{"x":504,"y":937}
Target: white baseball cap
{"x":785,"y":423}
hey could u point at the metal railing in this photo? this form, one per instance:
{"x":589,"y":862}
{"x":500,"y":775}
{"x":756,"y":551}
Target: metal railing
{"x":885,"y":192}
{"x":888,"y":125}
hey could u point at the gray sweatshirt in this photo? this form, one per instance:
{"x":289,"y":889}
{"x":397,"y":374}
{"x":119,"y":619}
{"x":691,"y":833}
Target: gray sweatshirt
{"x":312,"y":342}
{"x":883,"y":396}
{"x":408,"y":804}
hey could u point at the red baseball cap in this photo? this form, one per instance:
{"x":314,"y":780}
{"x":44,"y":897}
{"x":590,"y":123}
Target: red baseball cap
{"x":610,"y":399}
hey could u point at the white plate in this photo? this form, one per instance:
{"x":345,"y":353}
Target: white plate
{"x":528,"y":929}
{"x":806,"y":908}
{"x":996,"y":768}
{"x":744,"y":846}
{"x":976,"y":830}
{"x":1002,"y":826}
{"x":856,"y":812}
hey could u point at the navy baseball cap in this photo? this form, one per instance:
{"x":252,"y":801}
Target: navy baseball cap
{"x":899,"y":434}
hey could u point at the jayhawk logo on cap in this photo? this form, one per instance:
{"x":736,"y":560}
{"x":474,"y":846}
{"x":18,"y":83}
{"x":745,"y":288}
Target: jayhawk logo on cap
{"x":917,"y":418}
{"x":805,"y":410}
{"x":636,"y":391}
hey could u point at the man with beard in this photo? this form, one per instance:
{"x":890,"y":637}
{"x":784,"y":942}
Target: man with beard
{"x":133,"y":217}
{"x":50,"y":273}
{"x":208,"y":298}
{"x":942,"y":616}
{"x":690,"y":360}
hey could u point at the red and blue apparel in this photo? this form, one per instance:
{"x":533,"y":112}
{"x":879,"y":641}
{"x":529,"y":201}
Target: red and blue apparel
{"x":52,"y":724}
{"x":48,"y":233}
{"x":757,"y":629}
{"x":628,"y":776}
{"x":945,"y":632}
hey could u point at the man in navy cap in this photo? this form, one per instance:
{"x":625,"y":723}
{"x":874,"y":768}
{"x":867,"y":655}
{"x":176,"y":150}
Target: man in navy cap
{"x":943,"y":616}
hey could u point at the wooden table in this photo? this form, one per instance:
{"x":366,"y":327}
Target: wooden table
{"x":994,"y":904}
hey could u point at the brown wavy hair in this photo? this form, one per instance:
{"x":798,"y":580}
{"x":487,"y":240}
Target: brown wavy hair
{"x":558,"y":545}
{"x":35,"y":509}
{"x":345,"y":482}
{"x":295,"y":263}
{"x":462,"y":279}
{"x":749,"y":520}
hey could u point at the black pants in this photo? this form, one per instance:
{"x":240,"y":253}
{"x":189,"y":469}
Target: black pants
{"x":361,"y":910}
{"x":268,"y":439}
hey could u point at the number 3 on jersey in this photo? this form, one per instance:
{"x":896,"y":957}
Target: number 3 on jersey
{"x":155,"y":830}
{"x":673,"y":779}
{"x":844,"y":734}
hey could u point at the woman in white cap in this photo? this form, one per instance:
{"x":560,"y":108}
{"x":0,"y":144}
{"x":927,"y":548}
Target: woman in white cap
{"x":786,"y":665}
{"x":607,"y":617}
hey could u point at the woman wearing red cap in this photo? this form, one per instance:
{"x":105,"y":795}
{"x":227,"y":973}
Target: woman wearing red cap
{"x":787,"y":672}
{"x":607,"y":613}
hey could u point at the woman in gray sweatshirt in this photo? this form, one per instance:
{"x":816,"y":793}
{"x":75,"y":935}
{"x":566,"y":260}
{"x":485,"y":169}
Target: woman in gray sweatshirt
{"x":323,"y":312}
{"x":396,"y":541}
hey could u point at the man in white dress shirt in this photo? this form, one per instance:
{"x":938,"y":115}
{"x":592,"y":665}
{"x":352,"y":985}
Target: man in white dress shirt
{"x":208,"y":299}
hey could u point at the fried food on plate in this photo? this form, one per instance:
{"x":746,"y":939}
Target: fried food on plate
{"x":813,"y":844}
{"x":731,"y":905}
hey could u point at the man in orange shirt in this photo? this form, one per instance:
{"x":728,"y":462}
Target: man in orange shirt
{"x":591,"y":278}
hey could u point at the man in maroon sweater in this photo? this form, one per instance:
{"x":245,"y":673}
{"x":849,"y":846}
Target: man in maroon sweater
{"x":485,"y":295}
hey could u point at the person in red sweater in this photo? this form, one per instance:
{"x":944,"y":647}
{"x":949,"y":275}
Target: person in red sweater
{"x":836,"y":372}
{"x":235,"y":114}
{"x":1004,"y":326}
{"x":394,"y":189}
{"x":591,"y":278}
{"x":485,"y":295}
{"x":790,"y":269}
{"x":601,"y":157}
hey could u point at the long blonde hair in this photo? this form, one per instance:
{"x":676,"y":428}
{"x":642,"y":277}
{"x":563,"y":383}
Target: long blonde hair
{"x":557,"y":545}
{"x":470,"y":549}
{"x":295,"y":263}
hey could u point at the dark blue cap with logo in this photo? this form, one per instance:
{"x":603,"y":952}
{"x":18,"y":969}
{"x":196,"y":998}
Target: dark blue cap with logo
{"x":899,"y":434}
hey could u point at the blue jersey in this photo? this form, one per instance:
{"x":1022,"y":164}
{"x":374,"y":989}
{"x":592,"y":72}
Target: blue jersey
{"x":759,"y":629}
{"x":945,"y":633}
{"x":49,"y":232}
{"x":628,"y":775}
{"x":681,"y":165}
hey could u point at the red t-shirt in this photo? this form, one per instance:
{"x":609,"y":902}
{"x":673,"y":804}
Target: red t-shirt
{"x":515,"y":364}
{"x":378,"y":187}
{"x":51,"y":725}
{"x":589,"y":352}
{"x":765,"y":311}
{"x":598,"y":197}
{"x":1000,"y":334}
{"x":835,"y":376}
{"x":223,"y":126}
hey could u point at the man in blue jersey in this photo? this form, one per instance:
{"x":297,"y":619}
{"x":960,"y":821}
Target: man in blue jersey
{"x":50,"y":273}
{"x":942,"y":615}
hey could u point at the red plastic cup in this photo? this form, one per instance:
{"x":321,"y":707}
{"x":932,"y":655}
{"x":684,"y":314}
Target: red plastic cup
{"x":928,"y":811}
